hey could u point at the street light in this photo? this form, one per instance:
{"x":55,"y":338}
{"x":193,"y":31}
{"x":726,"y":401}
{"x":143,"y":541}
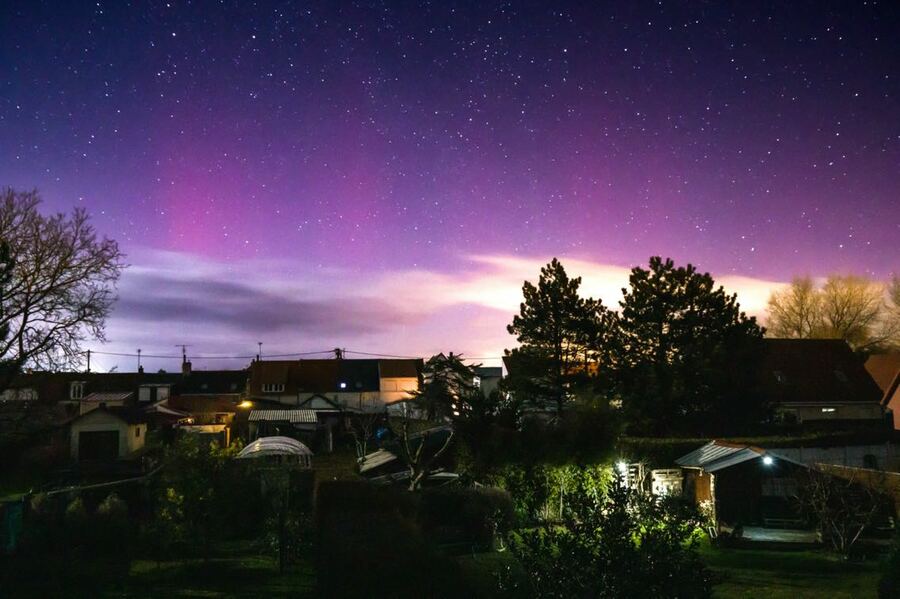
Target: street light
{"x":767,"y":460}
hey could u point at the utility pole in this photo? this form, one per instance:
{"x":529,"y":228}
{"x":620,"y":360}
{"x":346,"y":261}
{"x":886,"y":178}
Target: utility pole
{"x":88,"y":360}
{"x":139,"y":359}
{"x":259,"y":351}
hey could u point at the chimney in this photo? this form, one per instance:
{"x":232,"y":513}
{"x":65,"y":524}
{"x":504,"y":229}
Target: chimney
{"x":185,"y":368}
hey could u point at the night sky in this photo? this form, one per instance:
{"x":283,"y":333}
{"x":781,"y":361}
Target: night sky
{"x":382,"y":176}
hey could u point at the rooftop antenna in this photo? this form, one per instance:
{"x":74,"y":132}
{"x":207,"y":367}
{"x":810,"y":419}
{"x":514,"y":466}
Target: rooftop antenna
{"x":183,"y":347}
{"x":139,"y":359}
{"x":339,"y":353}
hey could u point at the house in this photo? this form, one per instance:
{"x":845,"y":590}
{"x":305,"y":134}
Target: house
{"x":487,"y":378}
{"x":818,"y":381}
{"x":743,"y":485}
{"x":107,"y":434}
{"x":209,"y":401}
{"x":355,"y":385}
{"x":885,"y":371}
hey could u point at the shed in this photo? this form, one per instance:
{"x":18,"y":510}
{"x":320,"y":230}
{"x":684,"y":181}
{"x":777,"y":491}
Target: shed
{"x":107,"y":433}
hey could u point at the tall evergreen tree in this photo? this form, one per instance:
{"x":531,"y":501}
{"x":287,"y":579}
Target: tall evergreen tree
{"x":448,"y":382}
{"x":688,"y":353}
{"x":556,"y":328}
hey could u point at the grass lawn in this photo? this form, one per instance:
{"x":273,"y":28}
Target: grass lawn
{"x":483,"y":571}
{"x":789,"y":574}
{"x":235,"y":571}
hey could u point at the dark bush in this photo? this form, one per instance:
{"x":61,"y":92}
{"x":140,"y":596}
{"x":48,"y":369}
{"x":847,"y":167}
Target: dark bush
{"x":370,"y":544}
{"x":466,"y":515}
{"x":889,"y":585}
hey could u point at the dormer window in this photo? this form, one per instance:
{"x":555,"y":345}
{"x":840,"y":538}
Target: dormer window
{"x":76,"y":390}
{"x":273,"y":387}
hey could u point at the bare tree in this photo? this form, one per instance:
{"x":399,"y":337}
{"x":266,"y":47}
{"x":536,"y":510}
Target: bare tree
{"x":862,"y":312}
{"x":842,"y":506}
{"x":363,"y":428}
{"x":417,"y":449}
{"x":61,"y":288}
{"x":795,"y":312}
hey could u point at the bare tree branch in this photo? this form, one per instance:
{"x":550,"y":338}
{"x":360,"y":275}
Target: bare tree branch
{"x":62,"y":286}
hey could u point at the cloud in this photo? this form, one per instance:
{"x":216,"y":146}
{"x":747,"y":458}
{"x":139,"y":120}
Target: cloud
{"x":226,"y":307}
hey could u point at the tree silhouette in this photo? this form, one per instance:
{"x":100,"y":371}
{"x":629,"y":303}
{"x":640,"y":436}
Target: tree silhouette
{"x":687,"y":353}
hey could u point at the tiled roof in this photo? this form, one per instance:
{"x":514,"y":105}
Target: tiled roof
{"x":814,"y":371}
{"x":884,"y":368}
{"x":292,"y":416}
{"x":329,"y":376}
{"x":204,"y":403}
{"x":108,"y":397}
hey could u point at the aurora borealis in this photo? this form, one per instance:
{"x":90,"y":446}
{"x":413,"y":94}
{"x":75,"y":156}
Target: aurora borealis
{"x":381,"y":175}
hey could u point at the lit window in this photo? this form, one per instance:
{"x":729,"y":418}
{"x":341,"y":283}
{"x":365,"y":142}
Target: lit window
{"x":343,"y":385}
{"x":273,"y":387}
{"x":828,"y":410}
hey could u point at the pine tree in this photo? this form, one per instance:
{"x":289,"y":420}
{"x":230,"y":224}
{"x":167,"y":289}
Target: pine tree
{"x":557,"y":330}
{"x":687,"y":353}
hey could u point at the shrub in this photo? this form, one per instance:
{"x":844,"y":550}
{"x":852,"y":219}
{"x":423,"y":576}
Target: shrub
{"x":889,"y":585}
{"x":620,"y":545}
{"x":466,"y":515}
{"x":375,"y":532}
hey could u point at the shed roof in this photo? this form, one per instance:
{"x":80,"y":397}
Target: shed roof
{"x":719,"y":455}
{"x":292,"y":416}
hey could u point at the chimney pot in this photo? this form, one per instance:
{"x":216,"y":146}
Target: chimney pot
{"x":185,"y":368}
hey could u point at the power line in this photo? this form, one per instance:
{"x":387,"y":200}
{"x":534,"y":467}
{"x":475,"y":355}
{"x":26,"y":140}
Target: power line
{"x":140,"y":354}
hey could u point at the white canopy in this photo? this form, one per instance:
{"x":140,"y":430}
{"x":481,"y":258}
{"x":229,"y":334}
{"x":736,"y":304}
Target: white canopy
{"x":274,"y":446}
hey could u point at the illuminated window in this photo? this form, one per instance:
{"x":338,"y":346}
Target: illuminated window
{"x":828,"y":410}
{"x":273,"y":387}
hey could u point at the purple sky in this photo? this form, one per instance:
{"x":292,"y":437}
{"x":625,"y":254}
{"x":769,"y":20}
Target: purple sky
{"x":287,"y":172}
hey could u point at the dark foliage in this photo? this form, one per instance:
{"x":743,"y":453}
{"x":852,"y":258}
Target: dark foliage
{"x":374,"y":533}
{"x":687,"y":354}
{"x":466,"y":516}
{"x":396,"y":542}
{"x":201,"y":496}
{"x":563,"y":338}
{"x":889,"y":585}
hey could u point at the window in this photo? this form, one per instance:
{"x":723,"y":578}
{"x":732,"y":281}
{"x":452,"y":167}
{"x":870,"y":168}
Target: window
{"x":76,"y":390}
{"x":870,"y":462}
{"x":343,"y":385}
{"x":829,"y":410}
{"x":273,"y":387}
{"x":137,"y":432}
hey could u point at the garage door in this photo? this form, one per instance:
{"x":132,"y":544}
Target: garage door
{"x":98,"y":445}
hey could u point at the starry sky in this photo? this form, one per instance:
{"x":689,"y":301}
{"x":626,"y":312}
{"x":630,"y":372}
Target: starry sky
{"x":383,"y":175}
